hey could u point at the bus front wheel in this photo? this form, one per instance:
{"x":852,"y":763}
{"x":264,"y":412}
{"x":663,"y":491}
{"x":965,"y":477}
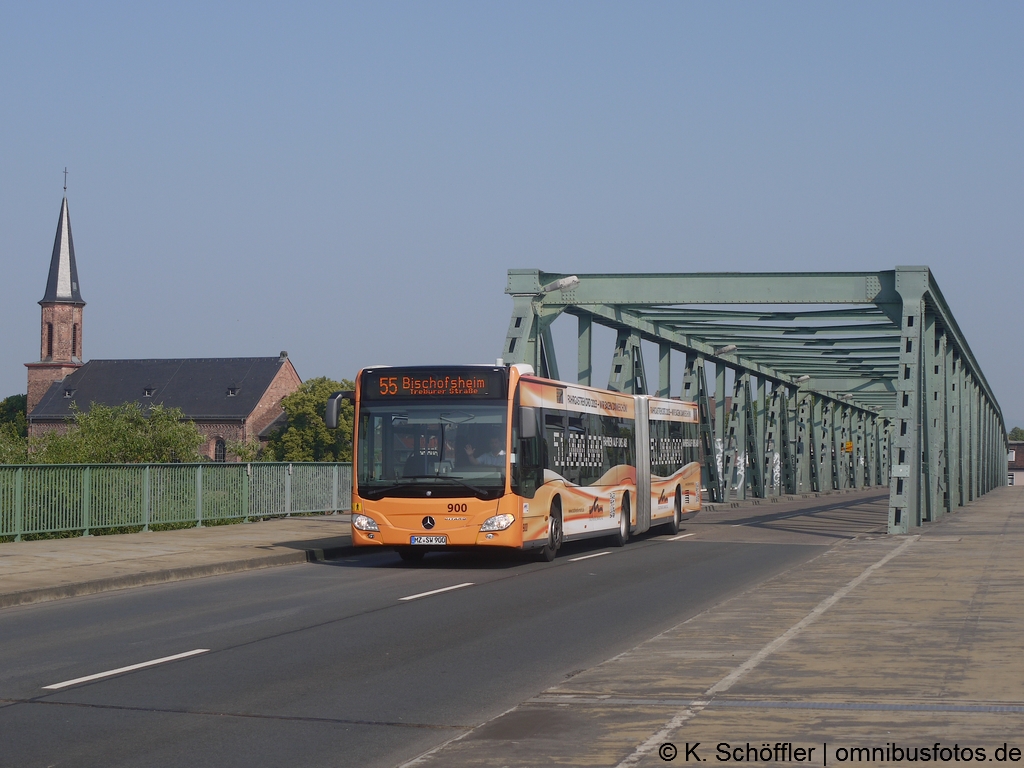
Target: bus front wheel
{"x":549,"y":550}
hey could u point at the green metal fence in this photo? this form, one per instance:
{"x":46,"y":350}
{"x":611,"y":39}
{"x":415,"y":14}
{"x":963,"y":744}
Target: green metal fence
{"x":41,"y":498}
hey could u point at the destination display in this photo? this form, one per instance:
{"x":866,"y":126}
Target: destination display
{"x":389,"y":383}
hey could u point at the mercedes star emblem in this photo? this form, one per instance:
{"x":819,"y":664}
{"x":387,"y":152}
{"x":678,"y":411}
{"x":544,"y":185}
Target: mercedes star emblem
{"x":428,"y":522}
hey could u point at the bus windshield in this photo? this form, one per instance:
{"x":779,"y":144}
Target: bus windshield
{"x":447,"y":449}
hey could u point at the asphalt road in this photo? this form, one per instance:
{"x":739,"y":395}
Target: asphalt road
{"x":327,"y":664}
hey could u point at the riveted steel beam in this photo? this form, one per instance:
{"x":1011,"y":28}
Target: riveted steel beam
{"x":706,"y":315}
{"x":717,"y":288}
{"x":855,"y":379}
{"x":584,"y":350}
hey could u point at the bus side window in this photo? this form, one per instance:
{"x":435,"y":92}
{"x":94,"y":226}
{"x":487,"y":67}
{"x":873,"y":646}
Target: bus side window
{"x":691,"y":432}
{"x":553,"y":446}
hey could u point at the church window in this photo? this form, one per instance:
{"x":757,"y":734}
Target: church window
{"x":74,"y":340}
{"x":49,"y":339}
{"x":220,"y":450}
{"x":232,"y":391}
{"x":68,"y":394}
{"x":149,"y":391}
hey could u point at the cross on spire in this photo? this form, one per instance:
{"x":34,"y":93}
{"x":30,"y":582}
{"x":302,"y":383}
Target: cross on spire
{"x":65,"y":179}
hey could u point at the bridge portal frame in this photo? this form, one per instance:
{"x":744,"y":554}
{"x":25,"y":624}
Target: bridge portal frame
{"x":867,"y":382}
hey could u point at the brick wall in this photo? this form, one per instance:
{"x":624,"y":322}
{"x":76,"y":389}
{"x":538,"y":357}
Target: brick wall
{"x":41,"y":376}
{"x":269,"y":407}
{"x":66,"y":320}
{"x":60,"y":349}
{"x":226,"y":431}
{"x":1018,"y":459}
{"x":36,"y":430}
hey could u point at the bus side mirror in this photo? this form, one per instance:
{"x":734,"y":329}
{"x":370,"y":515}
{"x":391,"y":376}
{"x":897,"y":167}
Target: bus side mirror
{"x":527,"y":422}
{"x":334,"y":405}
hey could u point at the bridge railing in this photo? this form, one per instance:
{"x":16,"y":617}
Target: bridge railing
{"x":81,"y":498}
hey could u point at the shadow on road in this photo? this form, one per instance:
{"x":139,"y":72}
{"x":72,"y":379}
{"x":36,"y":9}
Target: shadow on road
{"x":472,"y":559}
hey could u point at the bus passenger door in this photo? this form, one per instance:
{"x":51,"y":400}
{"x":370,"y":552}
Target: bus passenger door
{"x":643,"y":466}
{"x":528,"y":468}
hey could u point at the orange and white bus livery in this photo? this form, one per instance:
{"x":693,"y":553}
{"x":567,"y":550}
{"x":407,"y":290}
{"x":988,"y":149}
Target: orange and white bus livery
{"x":493,"y":456}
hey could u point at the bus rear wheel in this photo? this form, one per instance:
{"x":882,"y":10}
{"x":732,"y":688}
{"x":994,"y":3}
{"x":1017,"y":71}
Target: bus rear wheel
{"x":622,"y":535}
{"x":549,"y":550}
{"x":411,"y":554}
{"x":677,"y":513}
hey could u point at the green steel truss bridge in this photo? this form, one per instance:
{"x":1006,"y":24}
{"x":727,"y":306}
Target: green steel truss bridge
{"x":835,"y":379}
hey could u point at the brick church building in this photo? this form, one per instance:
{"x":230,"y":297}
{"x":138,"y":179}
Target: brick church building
{"x":228,"y":398}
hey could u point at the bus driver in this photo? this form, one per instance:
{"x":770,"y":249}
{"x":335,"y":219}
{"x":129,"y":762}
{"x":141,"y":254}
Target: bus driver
{"x":495,"y":456}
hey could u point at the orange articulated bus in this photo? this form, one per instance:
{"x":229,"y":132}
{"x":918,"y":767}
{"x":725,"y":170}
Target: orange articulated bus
{"x":493,"y":456}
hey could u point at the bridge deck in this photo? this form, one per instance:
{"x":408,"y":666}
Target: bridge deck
{"x":906,"y":640}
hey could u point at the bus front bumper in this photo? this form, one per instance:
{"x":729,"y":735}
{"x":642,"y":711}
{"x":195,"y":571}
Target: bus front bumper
{"x":404,"y":525}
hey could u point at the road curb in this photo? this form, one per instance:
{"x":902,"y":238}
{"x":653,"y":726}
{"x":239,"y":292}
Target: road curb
{"x":167,"y":575}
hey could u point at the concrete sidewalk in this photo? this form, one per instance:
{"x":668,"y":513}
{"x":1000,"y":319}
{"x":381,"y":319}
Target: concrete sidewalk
{"x":51,"y":569}
{"x":894,"y":644}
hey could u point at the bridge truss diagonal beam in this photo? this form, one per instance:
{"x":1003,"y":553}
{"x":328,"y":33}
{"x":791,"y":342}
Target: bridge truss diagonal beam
{"x":841,"y":379}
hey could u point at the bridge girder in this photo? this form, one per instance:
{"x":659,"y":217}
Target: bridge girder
{"x":841,"y":379}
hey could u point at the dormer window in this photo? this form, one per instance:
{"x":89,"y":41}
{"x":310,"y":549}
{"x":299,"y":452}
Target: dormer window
{"x":149,"y":391}
{"x":232,"y":391}
{"x":68,"y":394}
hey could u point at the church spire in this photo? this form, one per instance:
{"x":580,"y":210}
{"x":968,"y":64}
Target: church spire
{"x":62,"y":284}
{"x":60,"y":338}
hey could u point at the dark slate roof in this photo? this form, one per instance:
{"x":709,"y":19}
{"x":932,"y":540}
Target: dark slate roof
{"x":199,"y":386}
{"x":62,"y":283}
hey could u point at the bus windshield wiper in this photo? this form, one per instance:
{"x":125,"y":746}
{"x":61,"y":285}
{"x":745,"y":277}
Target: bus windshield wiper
{"x":480,"y":492}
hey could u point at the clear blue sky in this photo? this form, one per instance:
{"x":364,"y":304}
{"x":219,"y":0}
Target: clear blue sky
{"x":351,"y":182}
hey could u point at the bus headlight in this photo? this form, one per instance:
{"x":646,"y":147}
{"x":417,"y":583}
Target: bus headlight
{"x":364,"y":523}
{"x":497,"y":523}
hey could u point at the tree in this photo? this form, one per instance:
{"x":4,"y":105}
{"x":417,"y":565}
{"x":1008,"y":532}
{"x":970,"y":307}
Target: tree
{"x":245,"y":450}
{"x":12,"y":411}
{"x":306,"y":437}
{"x":121,"y":434}
{"x":13,"y":447}
{"x":1017,"y":433}
{"x":13,"y":430}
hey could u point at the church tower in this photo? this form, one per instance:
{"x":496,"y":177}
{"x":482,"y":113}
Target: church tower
{"x":60,"y":345}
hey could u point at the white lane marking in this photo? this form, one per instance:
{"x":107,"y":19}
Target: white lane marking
{"x":730,"y":679}
{"x":738,"y":525}
{"x":727,"y":682}
{"x":587,"y":557}
{"x":434,"y":750}
{"x":121,"y":670}
{"x":659,"y":738}
{"x":681,"y":536}
{"x":436,"y":591}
